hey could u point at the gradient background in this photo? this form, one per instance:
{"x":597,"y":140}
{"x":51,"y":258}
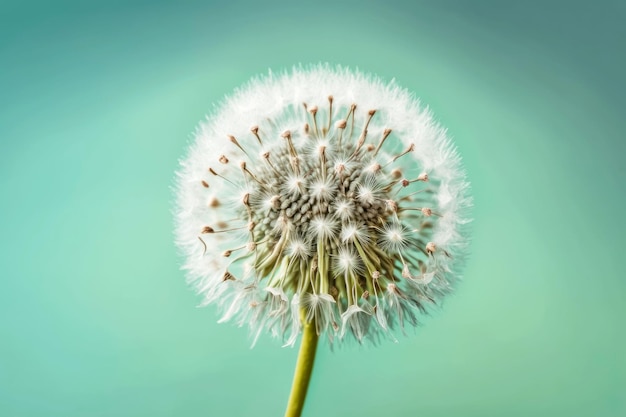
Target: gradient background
{"x":97,"y":103}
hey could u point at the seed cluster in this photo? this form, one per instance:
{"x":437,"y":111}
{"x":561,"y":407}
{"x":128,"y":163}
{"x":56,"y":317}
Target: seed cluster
{"x":330,"y":224}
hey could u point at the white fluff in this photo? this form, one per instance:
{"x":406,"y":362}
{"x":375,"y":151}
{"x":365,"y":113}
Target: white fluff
{"x":262,"y":214}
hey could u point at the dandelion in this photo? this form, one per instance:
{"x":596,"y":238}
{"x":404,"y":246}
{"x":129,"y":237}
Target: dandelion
{"x":324,"y":202}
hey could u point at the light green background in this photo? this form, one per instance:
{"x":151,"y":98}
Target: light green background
{"x":98,"y":101}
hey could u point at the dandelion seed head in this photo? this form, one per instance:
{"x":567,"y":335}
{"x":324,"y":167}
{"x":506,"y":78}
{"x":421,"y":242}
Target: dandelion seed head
{"x":346,"y":261}
{"x":353,"y":232}
{"x":295,"y":185}
{"x":394,"y":238}
{"x":299,"y":248}
{"x":365,"y":194}
{"x":322,"y":189}
{"x":344,"y":209}
{"x":352,"y":208}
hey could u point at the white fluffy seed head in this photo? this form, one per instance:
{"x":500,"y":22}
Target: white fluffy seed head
{"x":324,"y":227}
{"x":353,"y":232}
{"x":322,"y":189}
{"x":394,"y":238}
{"x":365,"y":194}
{"x":347,"y":261}
{"x":344,"y":209}
{"x":356,"y":215}
{"x":295,"y":185}
{"x":299,"y":248}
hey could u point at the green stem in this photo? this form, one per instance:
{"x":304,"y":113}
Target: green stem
{"x":304,"y":368}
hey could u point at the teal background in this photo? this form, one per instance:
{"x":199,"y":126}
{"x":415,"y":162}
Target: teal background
{"x":98,"y":101}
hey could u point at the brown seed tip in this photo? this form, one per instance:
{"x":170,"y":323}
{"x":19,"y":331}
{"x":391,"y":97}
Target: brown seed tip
{"x":431,"y":248}
{"x":330,"y":98}
{"x":386,"y":133}
{"x":423,"y":177}
{"x":405,"y":272}
{"x":396,"y":173}
{"x":207,"y":229}
{"x":369,"y":147}
{"x":371,"y":112}
{"x":365,"y":295}
{"x":266,"y":155}
{"x":286,"y":134}
{"x":251,"y":226}
{"x":212,"y":171}
{"x":411,"y":147}
{"x":306,"y":128}
{"x":341,"y":124}
{"x":275,"y":200}
{"x":205,"y":184}
{"x":242,"y":164}
{"x":246,"y":199}
{"x":405,"y":182}
{"x":313,"y":110}
{"x":214,"y":202}
{"x":254,"y":129}
{"x":232,"y":138}
{"x":223,"y":159}
{"x":251,"y":246}
{"x":228,"y":277}
{"x":427,"y":212}
{"x":333,"y":291}
{"x":227,"y":253}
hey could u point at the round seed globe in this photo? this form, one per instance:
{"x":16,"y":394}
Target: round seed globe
{"x":324,"y":196}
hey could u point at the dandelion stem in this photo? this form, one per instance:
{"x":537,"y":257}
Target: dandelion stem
{"x":304,"y":367}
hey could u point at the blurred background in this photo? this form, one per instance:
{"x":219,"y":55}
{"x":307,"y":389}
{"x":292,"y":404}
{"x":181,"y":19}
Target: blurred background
{"x":98,"y":100}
